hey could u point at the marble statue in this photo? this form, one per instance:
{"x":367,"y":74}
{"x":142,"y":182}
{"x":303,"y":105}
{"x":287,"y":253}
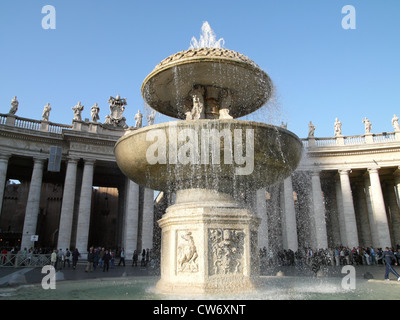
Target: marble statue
{"x":78,"y":111}
{"x":368,"y":125}
{"x":187,"y":108}
{"x":138,"y":120}
{"x":338,"y":128}
{"x":311,"y":129}
{"x":14,"y":106}
{"x":283,"y":125}
{"x":226,"y":102}
{"x":151,"y":117}
{"x":395,"y":123}
{"x":197,"y":95}
{"x":46,"y":112}
{"x":94,"y":112}
{"x":117,"y":108}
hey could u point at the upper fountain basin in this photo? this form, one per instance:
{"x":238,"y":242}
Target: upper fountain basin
{"x":167,"y":88}
{"x":223,"y":155}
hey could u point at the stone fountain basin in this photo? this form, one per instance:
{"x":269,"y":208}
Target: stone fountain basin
{"x":167,"y":87}
{"x":172,"y":156}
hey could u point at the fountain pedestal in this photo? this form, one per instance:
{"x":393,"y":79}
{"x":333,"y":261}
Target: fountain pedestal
{"x":209,"y":245}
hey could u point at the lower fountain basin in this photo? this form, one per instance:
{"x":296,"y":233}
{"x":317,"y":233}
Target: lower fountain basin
{"x":222,"y":155}
{"x":270,"y":288}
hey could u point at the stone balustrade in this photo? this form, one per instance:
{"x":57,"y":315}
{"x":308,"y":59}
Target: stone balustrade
{"x":384,"y":137}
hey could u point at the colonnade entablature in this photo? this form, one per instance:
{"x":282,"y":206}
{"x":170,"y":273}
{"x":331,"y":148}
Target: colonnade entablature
{"x":344,"y":174}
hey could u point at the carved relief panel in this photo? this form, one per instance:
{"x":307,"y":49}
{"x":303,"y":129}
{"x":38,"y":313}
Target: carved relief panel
{"x":226,"y":248}
{"x":187,"y":257}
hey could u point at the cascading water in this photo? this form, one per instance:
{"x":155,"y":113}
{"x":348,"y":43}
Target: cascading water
{"x":214,"y":163}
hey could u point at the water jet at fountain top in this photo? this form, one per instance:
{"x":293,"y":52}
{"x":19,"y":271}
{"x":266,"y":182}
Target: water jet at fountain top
{"x":207,"y":39}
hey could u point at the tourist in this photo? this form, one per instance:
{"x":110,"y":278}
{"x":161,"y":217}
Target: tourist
{"x":75,"y":257}
{"x":96,"y":258}
{"x":60,"y":259}
{"x":4,"y":256}
{"x":143,"y":261}
{"x":122,"y":257}
{"x":135,"y":259}
{"x":101,"y":254}
{"x":366,"y":255}
{"x":53,"y":258}
{"x":373,"y":256}
{"x":147,"y":256}
{"x":389,"y":258}
{"x":112,"y":259}
{"x":66,"y":257}
{"x":90,"y":260}
{"x":106,"y":260}
{"x":337,"y":257}
{"x":397,"y":255}
{"x":380,"y":254}
{"x":299,"y":259}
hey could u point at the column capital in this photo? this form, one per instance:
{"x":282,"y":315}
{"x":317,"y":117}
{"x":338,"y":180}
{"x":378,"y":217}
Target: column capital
{"x":39,"y":160}
{"x":397,"y":172}
{"x":72,"y":159}
{"x":315,"y":172}
{"x":90,"y":162}
{"x":344,"y":171}
{"x":373,"y":170}
{"x":5,"y":156}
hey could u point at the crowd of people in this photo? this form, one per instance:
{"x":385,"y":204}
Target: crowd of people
{"x":97,"y":258}
{"x":104,"y":259}
{"x":338,"y":256}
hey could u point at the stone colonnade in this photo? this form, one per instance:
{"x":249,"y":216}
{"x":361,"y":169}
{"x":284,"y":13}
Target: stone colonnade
{"x":336,"y":209}
{"x":131,"y":238}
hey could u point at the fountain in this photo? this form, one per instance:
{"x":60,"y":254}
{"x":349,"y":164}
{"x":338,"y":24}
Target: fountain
{"x":209,"y":237}
{"x":209,"y":158}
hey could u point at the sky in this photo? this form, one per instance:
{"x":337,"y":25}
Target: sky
{"x":320,"y":70}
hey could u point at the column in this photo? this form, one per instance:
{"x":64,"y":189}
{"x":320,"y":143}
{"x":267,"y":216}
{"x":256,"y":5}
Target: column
{"x":67,"y":207}
{"x":397,"y":184}
{"x":261,"y":207}
{"x":318,"y":212}
{"x":289,"y":215}
{"x":148,"y":219}
{"x":396,"y":193}
{"x":379,"y":210}
{"x":131,"y":219}
{"x":339,"y":202}
{"x":32,"y":206}
{"x":348,"y":210}
{"x":332,"y":215}
{"x":394,"y":212}
{"x":366,"y":234}
{"x":371,"y":219}
{"x":85,"y":202}
{"x":3,"y":175}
